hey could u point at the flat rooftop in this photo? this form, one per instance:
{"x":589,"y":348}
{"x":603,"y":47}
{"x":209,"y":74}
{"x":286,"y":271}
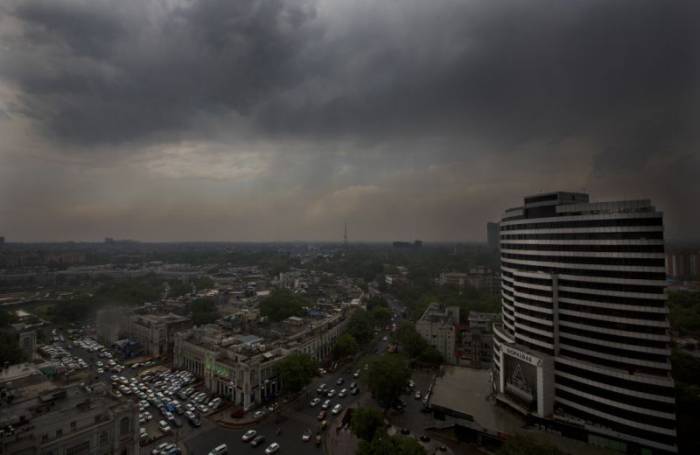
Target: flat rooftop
{"x":468,"y":391}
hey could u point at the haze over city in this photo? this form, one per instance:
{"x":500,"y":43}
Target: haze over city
{"x":282,"y":120}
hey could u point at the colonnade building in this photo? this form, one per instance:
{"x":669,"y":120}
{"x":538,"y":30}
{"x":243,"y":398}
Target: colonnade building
{"x":584,"y":343}
{"x":242,"y":367}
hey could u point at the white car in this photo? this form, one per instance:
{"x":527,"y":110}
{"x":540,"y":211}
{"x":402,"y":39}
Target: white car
{"x":417,"y":395}
{"x":248,"y":435}
{"x":315,"y":402}
{"x":164,"y":427}
{"x":326,"y":404}
{"x":342,"y":393}
{"x":337,"y":408}
{"x":306,"y":436}
{"x":272,"y":448}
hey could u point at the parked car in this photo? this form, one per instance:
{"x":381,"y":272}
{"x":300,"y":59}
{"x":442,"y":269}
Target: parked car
{"x":315,"y":402}
{"x":337,"y":408}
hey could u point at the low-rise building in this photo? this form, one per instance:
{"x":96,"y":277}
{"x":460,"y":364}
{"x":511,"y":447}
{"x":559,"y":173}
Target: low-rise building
{"x":155,"y":332}
{"x":152,"y":331}
{"x":242,"y":367}
{"x":438,"y":326}
{"x":475,"y":345}
{"x":69,"y":421}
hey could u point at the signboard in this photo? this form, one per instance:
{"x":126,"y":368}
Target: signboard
{"x":520,"y":378}
{"x":524,"y":356}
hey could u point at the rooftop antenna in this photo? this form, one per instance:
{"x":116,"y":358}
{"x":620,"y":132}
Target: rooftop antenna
{"x":345,"y":235}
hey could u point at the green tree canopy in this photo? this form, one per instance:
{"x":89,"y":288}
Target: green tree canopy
{"x":281,"y":304}
{"x":204,"y":311}
{"x":345,"y":346}
{"x":387,"y":378}
{"x":525,"y":445}
{"x":382,"y":444}
{"x":381,"y":315}
{"x":7,"y":317}
{"x":296,"y":371}
{"x":10,"y":351}
{"x":410,"y":340}
{"x":366,"y":422}
{"x":376,"y":301}
{"x":361,"y":326}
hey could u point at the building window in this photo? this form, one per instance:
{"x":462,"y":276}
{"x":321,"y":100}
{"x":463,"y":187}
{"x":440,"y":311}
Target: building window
{"x":124,"y":426}
{"x":59,"y":432}
{"x":104,"y":438}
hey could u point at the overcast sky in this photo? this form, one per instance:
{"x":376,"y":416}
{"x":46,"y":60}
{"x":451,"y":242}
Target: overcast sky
{"x":283,"y":119}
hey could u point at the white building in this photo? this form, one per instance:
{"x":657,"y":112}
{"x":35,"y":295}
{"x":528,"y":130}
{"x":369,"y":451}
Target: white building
{"x":438,"y":326}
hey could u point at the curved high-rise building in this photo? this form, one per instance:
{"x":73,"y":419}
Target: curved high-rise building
{"x":584,"y":342}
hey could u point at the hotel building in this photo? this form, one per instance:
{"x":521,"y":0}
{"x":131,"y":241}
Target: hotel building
{"x":584,"y":345}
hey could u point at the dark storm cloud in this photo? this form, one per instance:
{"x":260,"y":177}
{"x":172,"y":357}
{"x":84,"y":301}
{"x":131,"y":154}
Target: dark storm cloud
{"x":427,"y":106}
{"x":120,"y":72}
{"x":508,"y":71}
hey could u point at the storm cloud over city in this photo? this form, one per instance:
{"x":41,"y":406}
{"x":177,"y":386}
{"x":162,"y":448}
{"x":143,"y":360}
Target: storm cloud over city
{"x":283,"y":120}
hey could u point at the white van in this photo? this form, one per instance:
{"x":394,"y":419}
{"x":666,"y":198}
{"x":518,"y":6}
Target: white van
{"x":219,"y":450}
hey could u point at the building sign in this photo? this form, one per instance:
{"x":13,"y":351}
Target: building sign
{"x":524,"y":356}
{"x":520,"y":377}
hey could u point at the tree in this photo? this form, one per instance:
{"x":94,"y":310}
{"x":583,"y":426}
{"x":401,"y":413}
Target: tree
{"x":345,"y":346}
{"x":296,"y":371}
{"x":10,"y":351}
{"x":526,"y":445}
{"x":365,"y":423}
{"x":281,"y":304}
{"x":430,"y":356}
{"x":7,"y":317}
{"x":411,"y":342}
{"x":381,"y":315}
{"x":204,"y":311}
{"x":376,"y":301}
{"x":381,"y":444}
{"x":387,"y":378}
{"x":361,"y":326}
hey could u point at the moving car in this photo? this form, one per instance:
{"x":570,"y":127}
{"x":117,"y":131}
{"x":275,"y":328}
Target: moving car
{"x":259,"y":439}
{"x":221,"y":449}
{"x":272,"y":448}
{"x":248,"y":435}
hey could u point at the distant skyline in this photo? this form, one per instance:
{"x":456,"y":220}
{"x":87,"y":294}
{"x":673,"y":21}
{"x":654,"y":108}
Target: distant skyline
{"x":276,"y":120}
